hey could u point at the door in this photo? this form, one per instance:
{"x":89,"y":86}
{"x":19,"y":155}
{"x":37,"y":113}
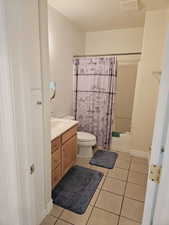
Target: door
{"x":23,"y":60}
{"x":35,"y":64}
{"x":156,"y":196}
{"x":31,"y":66}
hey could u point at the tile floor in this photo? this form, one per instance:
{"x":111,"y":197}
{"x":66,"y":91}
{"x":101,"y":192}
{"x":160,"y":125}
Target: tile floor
{"x":118,"y":200}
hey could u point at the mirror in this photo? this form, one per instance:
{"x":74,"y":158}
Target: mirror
{"x":52,"y":88}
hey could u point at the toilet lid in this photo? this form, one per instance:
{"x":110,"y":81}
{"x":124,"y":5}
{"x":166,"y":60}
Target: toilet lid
{"x":84,"y":136}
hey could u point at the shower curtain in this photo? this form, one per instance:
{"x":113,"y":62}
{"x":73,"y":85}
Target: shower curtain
{"x":94,"y":96}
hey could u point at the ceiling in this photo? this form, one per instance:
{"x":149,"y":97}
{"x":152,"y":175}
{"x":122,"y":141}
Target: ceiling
{"x":93,"y":15}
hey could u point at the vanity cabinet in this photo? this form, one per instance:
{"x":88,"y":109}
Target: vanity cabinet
{"x":64,"y":149}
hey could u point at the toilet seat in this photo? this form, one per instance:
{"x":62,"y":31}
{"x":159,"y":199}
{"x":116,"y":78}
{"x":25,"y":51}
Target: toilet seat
{"x":85,"y":137}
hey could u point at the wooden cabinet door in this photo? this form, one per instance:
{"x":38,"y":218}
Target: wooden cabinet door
{"x":69,"y":154}
{"x":56,"y":175}
{"x":56,"y":158}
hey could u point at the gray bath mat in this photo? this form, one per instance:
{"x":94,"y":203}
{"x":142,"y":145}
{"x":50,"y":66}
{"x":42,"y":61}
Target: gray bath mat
{"x":76,"y":189}
{"x":104,"y":159}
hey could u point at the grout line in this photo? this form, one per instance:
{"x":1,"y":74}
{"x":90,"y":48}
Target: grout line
{"x":116,"y":178}
{"x":144,"y":174}
{"x":66,"y":221}
{"x":136,"y":221}
{"x":105,"y":210}
{"x":139,"y":172}
{"x":139,"y":161}
{"x":121,"y":168}
{"x":51,"y":216}
{"x":120,"y":195}
{"x":96,"y":200}
{"x":116,"y":215}
{"x":143,"y":186}
{"x":124,"y":192}
{"x":137,"y":184}
{"x":134,"y":199}
{"x":56,"y":222}
{"x":61,"y":213}
{"x":126,"y":181}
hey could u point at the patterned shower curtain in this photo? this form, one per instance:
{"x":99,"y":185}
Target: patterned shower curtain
{"x":94,"y":96}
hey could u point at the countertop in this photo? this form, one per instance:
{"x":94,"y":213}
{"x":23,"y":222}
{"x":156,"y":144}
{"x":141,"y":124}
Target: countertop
{"x":60,"y":126}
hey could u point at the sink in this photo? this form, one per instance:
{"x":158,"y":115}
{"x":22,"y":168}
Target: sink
{"x":55,"y":123}
{"x":59,"y":126}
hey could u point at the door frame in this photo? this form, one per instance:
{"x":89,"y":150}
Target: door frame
{"x":44,"y":54}
{"x":161,"y":215}
{"x":154,"y":194}
{"x":15,"y":121}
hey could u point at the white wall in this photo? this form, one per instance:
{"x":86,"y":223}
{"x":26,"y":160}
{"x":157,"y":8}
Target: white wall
{"x":126,"y":81}
{"x":114,"y":41}
{"x":147,"y":85}
{"x":64,"y":42}
{"x":117,"y":41}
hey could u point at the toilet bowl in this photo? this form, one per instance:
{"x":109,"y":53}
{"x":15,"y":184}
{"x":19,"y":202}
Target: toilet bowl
{"x":85,"y":143}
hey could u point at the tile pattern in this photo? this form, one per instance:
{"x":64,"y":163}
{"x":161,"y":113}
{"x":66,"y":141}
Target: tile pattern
{"x":125,"y":221}
{"x":137,"y":178}
{"x":74,"y":218}
{"x":135,"y":191}
{"x":61,"y":222}
{"x":118,"y":200}
{"x":109,"y":202}
{"x":49,"y":220}
{"x":113,"y":185}
{"x":101,"y":217}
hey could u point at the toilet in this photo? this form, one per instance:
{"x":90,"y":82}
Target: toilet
{"x":85,"y":141}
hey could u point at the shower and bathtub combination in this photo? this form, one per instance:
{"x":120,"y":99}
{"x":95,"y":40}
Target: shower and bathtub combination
{"x":98,"y":85}
{"x":94,"y":98}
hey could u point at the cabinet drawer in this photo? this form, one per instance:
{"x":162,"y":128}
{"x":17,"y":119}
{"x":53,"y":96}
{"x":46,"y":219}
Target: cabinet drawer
{"x":56,"y":143}
{"x":56,"y":175}
{"x":66,"y":136}
{"x":56,"y":158}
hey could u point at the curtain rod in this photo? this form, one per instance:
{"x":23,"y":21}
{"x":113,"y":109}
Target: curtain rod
{"x":130,"y":53}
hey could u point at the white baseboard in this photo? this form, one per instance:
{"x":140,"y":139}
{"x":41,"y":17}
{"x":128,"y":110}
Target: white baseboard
{"x":123,"y":144}
{"x":133,"y":152}
{"x":120,"y":148}
{"x":46,"y":211}
{"x":141,"y":154}
{"x":49,"y":206}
